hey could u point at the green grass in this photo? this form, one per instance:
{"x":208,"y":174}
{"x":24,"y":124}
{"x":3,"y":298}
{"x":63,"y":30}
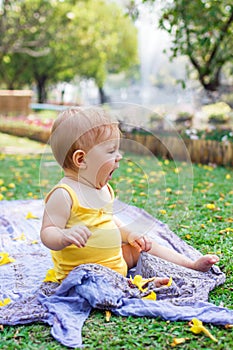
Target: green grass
{"x":12,"y":144}
{"x":166,"y":193}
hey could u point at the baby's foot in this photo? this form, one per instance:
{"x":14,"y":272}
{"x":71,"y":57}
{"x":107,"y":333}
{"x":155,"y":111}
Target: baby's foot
{"x":161,"y":281}
{"x":205,"y":262}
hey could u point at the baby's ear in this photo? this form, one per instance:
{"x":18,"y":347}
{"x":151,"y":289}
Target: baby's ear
{"x":79,"y":159}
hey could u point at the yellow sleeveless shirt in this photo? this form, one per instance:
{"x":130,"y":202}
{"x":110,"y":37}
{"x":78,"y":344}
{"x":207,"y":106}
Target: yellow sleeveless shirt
{"x":102,"y":247}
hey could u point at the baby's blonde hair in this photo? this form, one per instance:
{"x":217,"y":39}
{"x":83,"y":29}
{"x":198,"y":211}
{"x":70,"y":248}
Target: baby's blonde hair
{"x":80,"y":128}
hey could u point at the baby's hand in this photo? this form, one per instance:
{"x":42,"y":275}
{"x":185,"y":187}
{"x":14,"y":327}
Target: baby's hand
{"x":77,"y":235}
{"x":142,"y":243}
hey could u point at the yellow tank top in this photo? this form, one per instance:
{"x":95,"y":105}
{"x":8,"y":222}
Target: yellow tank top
{"x":104,"y":245}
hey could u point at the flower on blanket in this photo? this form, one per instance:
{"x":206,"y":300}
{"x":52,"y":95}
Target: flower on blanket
{"x":197,"y":327}
{"x":5,"y":258}
{"x":21,"y":237}
{"x":151,"y":296}
{"x":4,"y":302}
{"x":31,"y":216}
{"x":141,"y":284}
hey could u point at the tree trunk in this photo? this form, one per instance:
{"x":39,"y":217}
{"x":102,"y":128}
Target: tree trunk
{"x":213,"y":84}
{"x":103,"y":97}
{"x":41,"y":91}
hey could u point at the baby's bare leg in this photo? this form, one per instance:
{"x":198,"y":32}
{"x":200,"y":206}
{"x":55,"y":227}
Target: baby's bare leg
{"x":130,"y":254}
{"x":203,"y":264}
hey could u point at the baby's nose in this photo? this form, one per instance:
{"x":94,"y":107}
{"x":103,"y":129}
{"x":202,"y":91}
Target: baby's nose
{"x":118,"y":157}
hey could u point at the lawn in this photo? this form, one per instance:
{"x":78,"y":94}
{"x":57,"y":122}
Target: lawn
{"x":197,"y":203}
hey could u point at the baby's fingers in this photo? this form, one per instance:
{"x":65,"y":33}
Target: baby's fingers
{"x":147,"y":244}
{"x":136,"y":245}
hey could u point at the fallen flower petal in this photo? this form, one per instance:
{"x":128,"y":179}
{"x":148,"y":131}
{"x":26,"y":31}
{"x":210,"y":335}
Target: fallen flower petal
{"x":31,"y":216}
{"x":151,"y":296}
{"x":197,"y":327}
{"x":108,"y":315}
{"x":177,"y":341}
{"x":169,"y":282}
{"x":228,"y":229}
{"x":5,"y":258}
{"x":139,"y":282}
{"x":210,"y":206}
{"x":34,"y":242}
{"x":4,"y":302}
{"x":163,"y":212}
{"x":20,"y":238}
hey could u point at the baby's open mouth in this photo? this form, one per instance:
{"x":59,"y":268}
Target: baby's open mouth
{"x":110,"y":174}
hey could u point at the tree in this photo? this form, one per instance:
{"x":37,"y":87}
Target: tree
{"x":203,"y":31}
{"x":82,"y":38}
{"x":16,"y":28}
{"x":106,"y":40}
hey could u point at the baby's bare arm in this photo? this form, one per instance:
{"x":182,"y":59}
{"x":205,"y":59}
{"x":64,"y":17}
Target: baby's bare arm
{"x":53,"y":233}
{"x":137,"y":240}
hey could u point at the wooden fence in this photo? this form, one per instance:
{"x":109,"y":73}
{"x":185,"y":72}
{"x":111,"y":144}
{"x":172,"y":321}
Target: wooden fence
{"x":171,"y":147}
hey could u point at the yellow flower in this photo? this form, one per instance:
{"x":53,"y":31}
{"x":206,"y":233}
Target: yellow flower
{"x":162,"y":211}
{"x":50,"y":276}
{"x":108,"y":315}
{"x":4,"y":302}
{"x":169,"y":282}
{"x":31,"y":216}
{"x":228,"y":229}
{"x":11,"y":185}
{"x":34,"y":242}
{"x":176,"y":170}
{"x":168,"y":190}
{"x":142,"y":194}
{"x":197,"y":327}
{"x":1,"y":197}
{"x":1,"y":182}
{"x":210,"y":206}
{"x":151,"y":296}
{"x":5,"y":258}
{"x":139,"y":282}
{"x":178,"y":341}
{"x":228,"y":176}
{"x":20,"y":238}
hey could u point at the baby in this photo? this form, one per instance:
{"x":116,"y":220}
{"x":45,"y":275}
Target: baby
{"x":78,"y":223}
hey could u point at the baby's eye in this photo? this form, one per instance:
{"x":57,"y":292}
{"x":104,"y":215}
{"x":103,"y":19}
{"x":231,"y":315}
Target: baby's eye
{"x":111,"y":151}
